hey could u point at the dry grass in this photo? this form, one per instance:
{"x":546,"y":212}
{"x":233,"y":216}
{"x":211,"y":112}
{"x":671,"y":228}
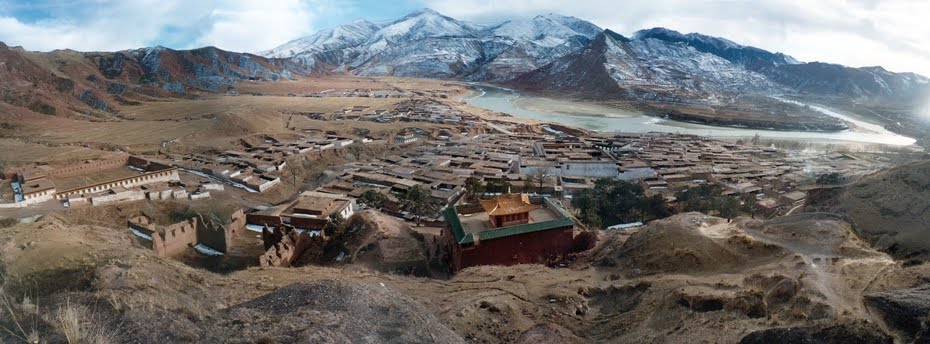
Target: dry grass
{"x":247,"y":105}
{"x":77,"y":324}
{"x":16,"y":152}
{"x":18,"y":325}
{"x":80,"y":325}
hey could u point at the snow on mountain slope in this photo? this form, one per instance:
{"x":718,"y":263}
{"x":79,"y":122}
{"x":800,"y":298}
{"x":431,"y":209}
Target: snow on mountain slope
{"x":616,"y":67}
{"x":746,"y":56}
{"x":442,"y":46}
{"x":545,"y":30}
{"x":424,"y":23}
{"x":554,"y":49}
{"x":341,"y":37}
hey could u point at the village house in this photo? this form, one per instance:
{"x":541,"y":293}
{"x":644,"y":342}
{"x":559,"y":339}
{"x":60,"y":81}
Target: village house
{"x":310,"y":212}
{"x":405,"y":137}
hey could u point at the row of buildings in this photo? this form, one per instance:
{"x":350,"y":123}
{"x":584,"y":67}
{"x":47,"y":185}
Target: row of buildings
{"x":98,"y":182}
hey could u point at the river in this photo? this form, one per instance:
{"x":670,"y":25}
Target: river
{"x":605,"y":118}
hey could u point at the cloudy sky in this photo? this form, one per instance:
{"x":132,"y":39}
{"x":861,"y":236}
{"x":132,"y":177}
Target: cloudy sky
{"x":891,"y":33}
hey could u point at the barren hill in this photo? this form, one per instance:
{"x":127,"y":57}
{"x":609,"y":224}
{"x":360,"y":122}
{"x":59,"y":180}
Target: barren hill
{"x":75,"y":84}
{"x":807,"y":273}
{"x":889,"y":209}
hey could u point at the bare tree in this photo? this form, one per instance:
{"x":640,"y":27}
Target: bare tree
{"x":540,"y":176}
{"x":294,"y":171}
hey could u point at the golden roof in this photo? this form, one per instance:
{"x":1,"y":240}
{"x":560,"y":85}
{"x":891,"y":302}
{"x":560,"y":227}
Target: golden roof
{"x":507,"y":204}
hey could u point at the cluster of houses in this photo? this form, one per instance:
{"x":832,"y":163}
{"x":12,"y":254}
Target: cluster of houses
{"x":411,"y":110}
{"x":562,"y":165}
{"x":260,"y":167}
{"x":363,"y":93}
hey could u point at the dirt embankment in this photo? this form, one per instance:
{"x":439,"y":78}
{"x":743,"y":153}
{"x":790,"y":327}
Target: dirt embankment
{"x":889,"y":209}
{"x":690,"y":278}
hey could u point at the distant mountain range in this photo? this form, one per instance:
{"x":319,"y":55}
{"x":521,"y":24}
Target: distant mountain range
{"x":428,"y":44}
{"x":560,"y":53}
{"x":550,"y":53}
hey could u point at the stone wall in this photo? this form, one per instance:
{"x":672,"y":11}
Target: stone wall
{"x":38,"y":197}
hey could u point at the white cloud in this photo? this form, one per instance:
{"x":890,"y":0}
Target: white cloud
{"x":100,"y":25}
{"x":891,"y":33}
{"x":251,"y":26}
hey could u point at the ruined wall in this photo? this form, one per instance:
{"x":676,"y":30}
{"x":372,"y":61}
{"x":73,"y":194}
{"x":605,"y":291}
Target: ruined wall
{"x":530,"y":248}
{"x":89,"y":167}
{"x":175,"y":238}
{"x":285,"y":246}
{"x":219,"y":236}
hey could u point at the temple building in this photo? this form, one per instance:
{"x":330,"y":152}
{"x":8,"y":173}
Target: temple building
{"x":510,"y":229}
{"x":508,"y":210}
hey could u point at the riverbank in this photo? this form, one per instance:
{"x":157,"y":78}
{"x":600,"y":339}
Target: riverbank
{"x":607,"y":118}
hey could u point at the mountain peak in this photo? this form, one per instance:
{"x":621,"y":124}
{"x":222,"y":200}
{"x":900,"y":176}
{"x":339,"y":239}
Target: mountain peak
{"x":746,"y":56}
{"x":424,"y":12}
{"x":616,"y":36}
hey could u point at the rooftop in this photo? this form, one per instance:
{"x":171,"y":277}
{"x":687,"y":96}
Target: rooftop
{"x":468,"y":228}
{"x":507,"y":204}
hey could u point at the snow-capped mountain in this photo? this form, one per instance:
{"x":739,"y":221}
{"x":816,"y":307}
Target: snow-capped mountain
{"x":867,"y":82}
{"x":548,"y":30}
{"x":428,"y":44}
{"x":342,"y":37}
{"x":749,"y":57}
{"x":570,"y":54}
{"x":614,"y":66}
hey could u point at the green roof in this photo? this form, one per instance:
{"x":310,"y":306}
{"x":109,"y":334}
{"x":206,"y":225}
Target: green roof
{"x":453,"y":221}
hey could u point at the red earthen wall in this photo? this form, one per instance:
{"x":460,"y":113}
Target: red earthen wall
{"x":91,"y":167}
{"x":175,"y":238}
{"x":530,"y":248}
{"x":261,"y":220}
{"x":308,"y":223}
{"x":219,"y":236}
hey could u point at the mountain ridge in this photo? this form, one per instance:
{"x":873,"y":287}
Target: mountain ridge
{"x":710,"y":67}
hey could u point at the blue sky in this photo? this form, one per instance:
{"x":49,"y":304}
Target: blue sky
{"x":891,"y":33}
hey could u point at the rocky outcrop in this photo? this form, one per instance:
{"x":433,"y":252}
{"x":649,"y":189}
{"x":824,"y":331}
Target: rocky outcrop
{"x":905,"y":310}
{"x":853,"y":332}
{"x":888,"y":209}
{"x":92,"y":100}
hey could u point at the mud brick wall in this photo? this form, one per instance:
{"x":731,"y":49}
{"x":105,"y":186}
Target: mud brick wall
{"x":175,"y":238}
{"x":285,"y":247}
{"x":219,"y":236}
{"x":89,"y":167}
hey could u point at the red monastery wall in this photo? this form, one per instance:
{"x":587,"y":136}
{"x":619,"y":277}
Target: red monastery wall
{"x":530,"y":248}
{"x":89,"y":167}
